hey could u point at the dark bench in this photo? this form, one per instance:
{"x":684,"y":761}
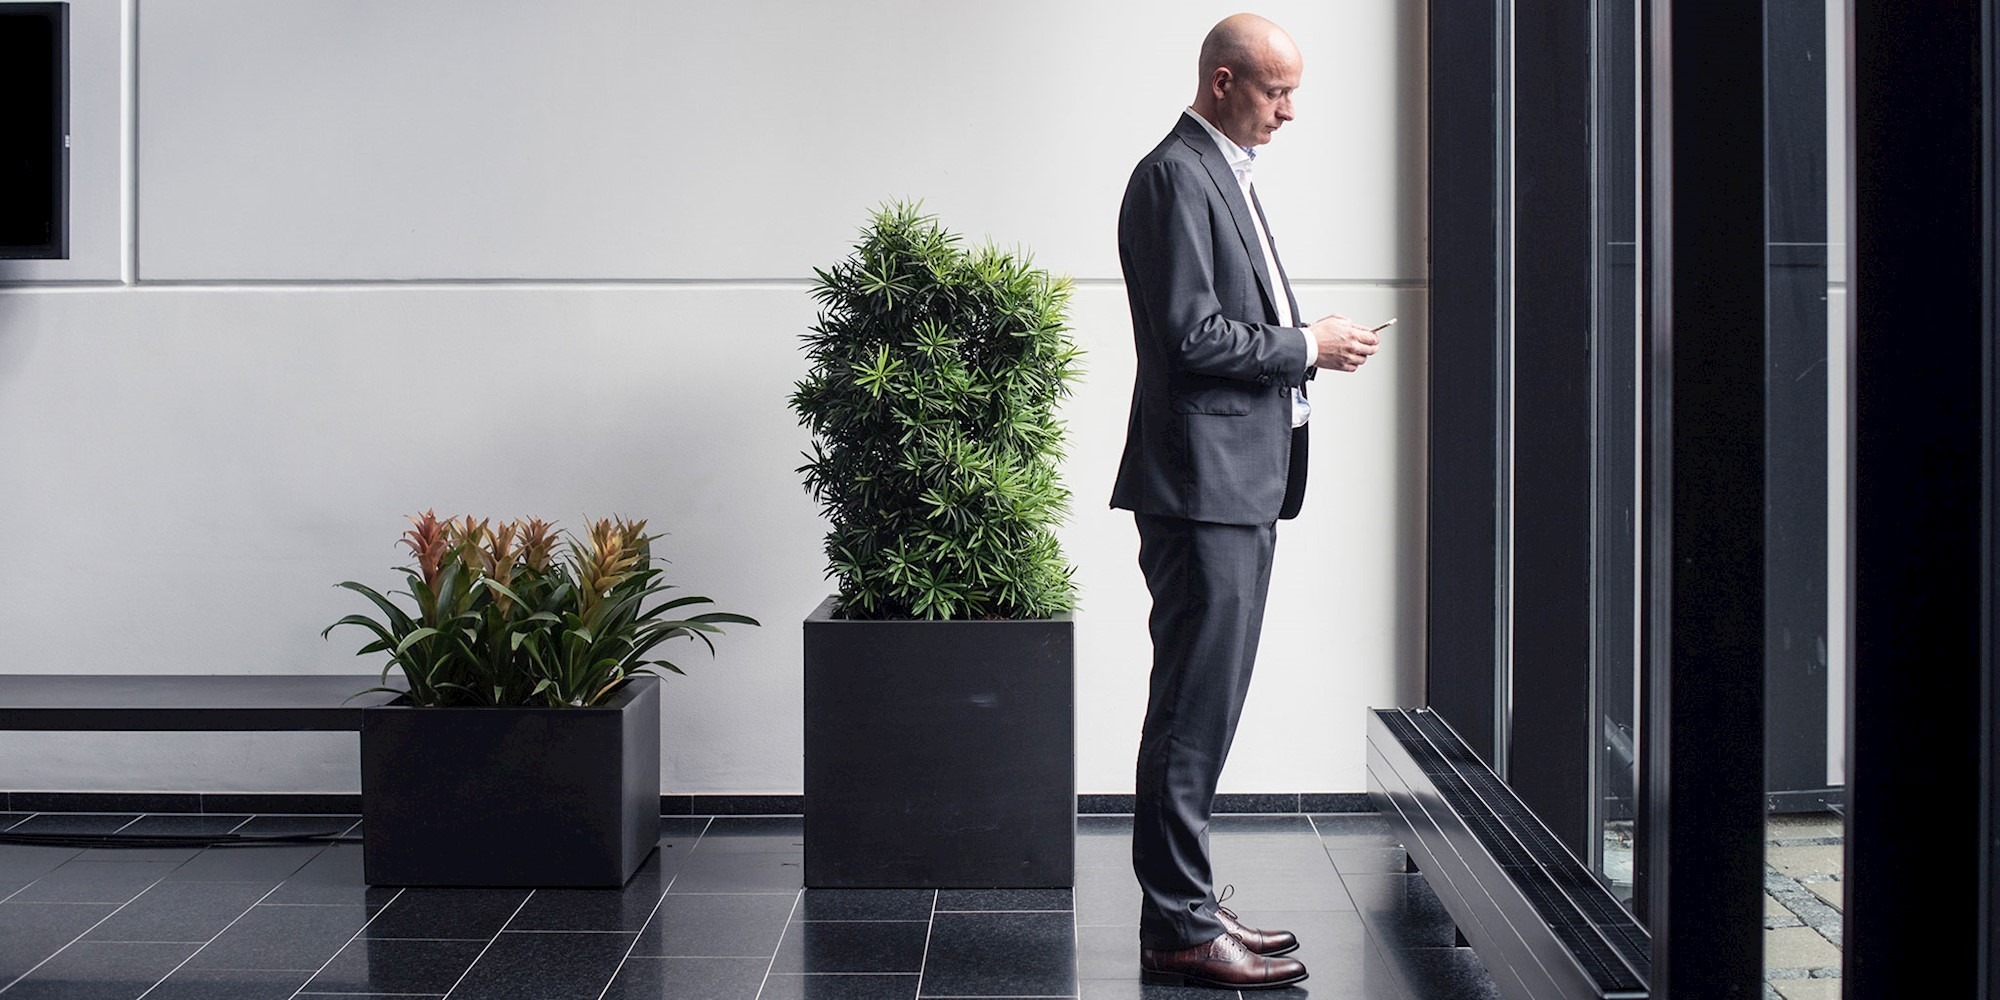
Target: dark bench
{"x":187,"y":702}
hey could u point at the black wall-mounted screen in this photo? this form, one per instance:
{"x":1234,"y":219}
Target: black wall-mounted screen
{"x":34,"y":129}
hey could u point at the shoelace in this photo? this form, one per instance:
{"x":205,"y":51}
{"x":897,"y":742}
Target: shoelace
{"x":1227,"y":891}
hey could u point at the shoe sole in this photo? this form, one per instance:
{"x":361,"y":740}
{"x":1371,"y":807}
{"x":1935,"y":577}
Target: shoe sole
{"x":1156,"y":978}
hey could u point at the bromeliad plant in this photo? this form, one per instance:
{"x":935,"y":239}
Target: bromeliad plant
{"x":511,"y":614}
{"x":934,"y":375}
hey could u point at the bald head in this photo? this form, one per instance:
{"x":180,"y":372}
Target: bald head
{"x":1249,"y":68}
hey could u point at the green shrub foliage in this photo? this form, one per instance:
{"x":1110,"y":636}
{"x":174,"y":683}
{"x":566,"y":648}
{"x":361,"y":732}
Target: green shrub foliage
{"x":935,"y":371}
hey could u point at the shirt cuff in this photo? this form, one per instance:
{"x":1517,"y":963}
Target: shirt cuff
{"x":1312,"y":348}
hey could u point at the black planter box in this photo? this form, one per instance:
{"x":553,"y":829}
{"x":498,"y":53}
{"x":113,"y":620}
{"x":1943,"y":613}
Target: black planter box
{"x":939,"y":754}
{"x":511,"y":796}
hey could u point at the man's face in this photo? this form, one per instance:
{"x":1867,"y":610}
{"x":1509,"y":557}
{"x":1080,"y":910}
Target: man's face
{"x":1256,"y":100}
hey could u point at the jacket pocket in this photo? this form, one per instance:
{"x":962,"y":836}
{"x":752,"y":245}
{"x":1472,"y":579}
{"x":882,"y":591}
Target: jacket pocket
{"x":1217,"y":401}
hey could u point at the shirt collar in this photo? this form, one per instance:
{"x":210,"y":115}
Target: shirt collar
{"x":1238,"y":158}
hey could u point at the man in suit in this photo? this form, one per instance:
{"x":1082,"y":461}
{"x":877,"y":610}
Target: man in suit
{"x":1215,"y":454}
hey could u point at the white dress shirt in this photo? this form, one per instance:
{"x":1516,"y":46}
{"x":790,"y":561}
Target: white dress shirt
{"x":1240,"y":160}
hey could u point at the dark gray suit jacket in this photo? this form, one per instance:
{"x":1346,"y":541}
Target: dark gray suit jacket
{"x":1210,"y":436}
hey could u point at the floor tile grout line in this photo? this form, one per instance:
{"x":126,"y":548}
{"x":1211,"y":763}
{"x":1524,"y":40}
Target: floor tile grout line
{"x":797,"y":900}
{"x":456,"y":983}
{"x":651,"y":915}
{"x":356,"y":936}
{"x":930,"y":928}
{"x":204,"y":944}
{"x":66,"y":945}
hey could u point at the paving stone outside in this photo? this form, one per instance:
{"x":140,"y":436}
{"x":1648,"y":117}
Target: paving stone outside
{"x":1798,"y":948}
{"x":1828,"y":892}
{"x":1805,"y":862}
{"x":1807,"y":989}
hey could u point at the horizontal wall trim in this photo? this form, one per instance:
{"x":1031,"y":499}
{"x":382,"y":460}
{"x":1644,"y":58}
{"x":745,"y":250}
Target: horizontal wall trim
{"x":670,"y":805}
{"x":567,"y":284}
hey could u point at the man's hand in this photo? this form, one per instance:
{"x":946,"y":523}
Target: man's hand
{"x":1343,"y":346}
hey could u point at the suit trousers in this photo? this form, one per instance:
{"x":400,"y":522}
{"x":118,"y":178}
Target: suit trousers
{"x":1209,"y":582}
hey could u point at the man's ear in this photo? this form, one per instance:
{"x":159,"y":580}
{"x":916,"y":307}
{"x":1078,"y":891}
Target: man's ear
{"x":1218,"y":84}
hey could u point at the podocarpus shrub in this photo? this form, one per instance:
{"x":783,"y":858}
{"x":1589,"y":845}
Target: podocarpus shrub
{"x":935,"y":371}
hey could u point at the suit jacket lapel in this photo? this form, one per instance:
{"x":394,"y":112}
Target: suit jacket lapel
{"x":1198,"y":139}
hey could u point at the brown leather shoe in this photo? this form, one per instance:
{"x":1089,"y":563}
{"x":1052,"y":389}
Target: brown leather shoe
{"x":1261,"y":942}
{"x":1223,"y":963}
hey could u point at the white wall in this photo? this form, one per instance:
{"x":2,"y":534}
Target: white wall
{"x":510,"y":258}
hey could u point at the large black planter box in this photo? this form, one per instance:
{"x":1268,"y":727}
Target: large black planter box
{"x":511,"y":796}
{"x":939,"y":754}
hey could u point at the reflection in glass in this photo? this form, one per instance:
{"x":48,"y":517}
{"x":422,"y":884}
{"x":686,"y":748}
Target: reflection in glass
{"x":1615,"y":442}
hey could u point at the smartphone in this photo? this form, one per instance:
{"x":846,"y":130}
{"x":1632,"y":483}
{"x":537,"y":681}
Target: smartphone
{"x":1384,"y":326}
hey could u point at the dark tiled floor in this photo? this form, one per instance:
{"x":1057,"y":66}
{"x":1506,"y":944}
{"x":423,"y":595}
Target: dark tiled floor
{"x":717,"y":914}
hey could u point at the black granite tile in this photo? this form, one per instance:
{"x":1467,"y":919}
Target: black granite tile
{"x":1338,"y":953}
{"x":1001,"y":954}
{"x":667,"y":859}
{"x":396,"y":966}
{"x":717,"y":926}
{"x":1402,"y":911}
{"x":622,"y":909}
{"x":1108,"y":952}
{"x":333,"y":876}
{"x":184,"y":825}
{"x":101,"y":970}
{"x":25,"y":863}
{"x":1256,"y":802}
{"x":1345,"y":830}
{"x":867,"y":904}
{"x":748,"y":805}
{"x":815,"y":986}
{"x":1112,"y":804}
{"x":180,"y":911}
{"x":88,"y":824}
{"x":754,"y":833}
{"x":1104,"y":826}
{"x":1336,"y":802}
{"x":1289,"y":825}
{"x":267,"y":804}
{"x":8,"y":819}
{"x":1250,"y":888}
{"x":230,"y":984}
{"x":467,"y":914}
{"x":991,"y":900}
{"x":1103,"y":852}
{"x":283,"y":937}
{"x":545,"y":966}
{"x":291,"y":826}
{"x":105,"y":802}
{"x":1132,"y":989}
{"x":1369,"y":860}
{"x":95,"y":882}
{"x":683,"y":827}
{"x":730,"y":871}
{"x":1443,"y":973}
{"x":31,"y":932}
{"x":268,"y":864}
{"x":1265,"y":853}
{"x":656,"y":978}
{"x":1107,"y":896}
{"x":164,"y":825}
{"x":867,"y":946}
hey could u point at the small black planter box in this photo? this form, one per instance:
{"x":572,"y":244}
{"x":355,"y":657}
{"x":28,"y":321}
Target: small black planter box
{"x":511,"y":796}
{"x":939,"y":754}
